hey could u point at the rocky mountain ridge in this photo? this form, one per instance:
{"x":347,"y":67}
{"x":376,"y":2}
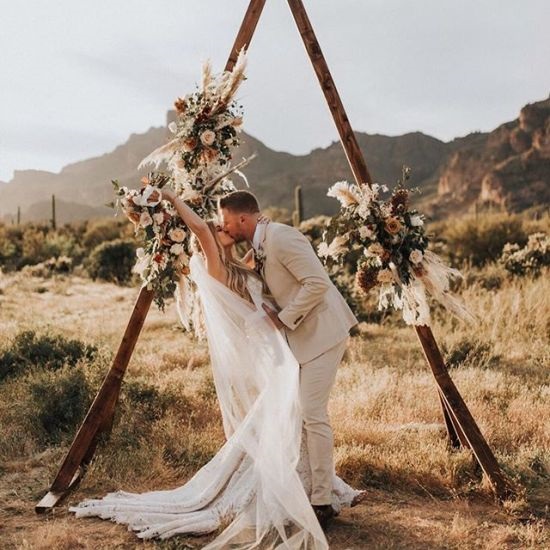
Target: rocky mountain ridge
{"x":508,"y":167}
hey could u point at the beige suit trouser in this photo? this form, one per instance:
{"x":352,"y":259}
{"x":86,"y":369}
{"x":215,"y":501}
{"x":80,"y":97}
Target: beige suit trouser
{"x":316,"y":380}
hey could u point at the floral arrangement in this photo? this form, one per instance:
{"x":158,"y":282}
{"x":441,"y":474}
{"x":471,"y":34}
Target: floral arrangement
{"x":198,"y":165}
{"x":393,"y":246}
{"x":206,"y":130}
{"x":530,"y":259}
{"x":165,"y":253}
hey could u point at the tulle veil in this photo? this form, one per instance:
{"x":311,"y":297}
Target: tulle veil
{"x":251,"y":485}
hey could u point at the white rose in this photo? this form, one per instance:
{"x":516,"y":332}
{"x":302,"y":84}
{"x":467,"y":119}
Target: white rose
{"x":366,"y":233}
{"x":322,"y":250}
{"x":176,"y":249}
{"x":386,"y":210}
{"x":173,"y":127}
{"x":208,"y":137}
{"x":145,"y":219}
{"x":384,"y":276}
{"x":158,"y":217}
{"x":146,"y":196}
{"x":416,"y":221}
{"x":142,"y":262}
{"x":177,"y":234}
{"x":416,"y":256}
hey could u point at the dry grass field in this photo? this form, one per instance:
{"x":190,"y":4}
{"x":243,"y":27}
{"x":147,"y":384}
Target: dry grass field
{"x":390,"y":439}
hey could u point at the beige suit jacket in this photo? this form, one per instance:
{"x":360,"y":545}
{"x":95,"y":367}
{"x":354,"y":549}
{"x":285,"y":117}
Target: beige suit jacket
{"x":315,"y":315}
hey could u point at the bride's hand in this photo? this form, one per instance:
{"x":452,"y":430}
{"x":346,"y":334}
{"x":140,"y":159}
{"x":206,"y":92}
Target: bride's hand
{"x":263,"y":219}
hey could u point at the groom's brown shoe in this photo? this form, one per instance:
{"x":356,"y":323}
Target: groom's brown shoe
{"x":324,"y":513}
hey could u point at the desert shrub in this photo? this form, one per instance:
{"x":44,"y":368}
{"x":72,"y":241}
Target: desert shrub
{"x":100,"y":231}
{"x":146,"y":400}
{"x":313,"y":229}
{"x":63,"y":243}
{"x":31,"y":244}
{"x":481,"y":240}
{"x":36,"y":248}
{"x":489,"y":277}
{"x":59,"y":402}
{"x":468,"y":350}
{"x":11,"y":246}
{"x":53,"y":266}
{"x":28,"y":350}
{"x":530,"y":259}
{"x":112,"y":261}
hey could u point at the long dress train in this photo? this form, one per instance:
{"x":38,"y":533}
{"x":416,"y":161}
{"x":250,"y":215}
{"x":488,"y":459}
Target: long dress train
{"x":258,"y":482}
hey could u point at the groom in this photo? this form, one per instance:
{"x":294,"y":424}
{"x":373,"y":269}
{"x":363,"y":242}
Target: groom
{"x":316,"y":320}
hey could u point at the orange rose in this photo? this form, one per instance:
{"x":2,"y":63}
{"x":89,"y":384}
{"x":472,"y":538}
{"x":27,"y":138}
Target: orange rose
{"x":393,"y":225}
{"x":189,"y":144}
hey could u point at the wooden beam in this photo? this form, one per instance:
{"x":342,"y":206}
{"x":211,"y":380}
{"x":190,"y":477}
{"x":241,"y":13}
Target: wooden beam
{"x":101,"y":412}
{"x":455,"y":441}
{"x":460,"y":423}
{"x":462,"y":416}
{"x":246,"y":31}
{"x":347,"y":137}
{"x":100,"y":415}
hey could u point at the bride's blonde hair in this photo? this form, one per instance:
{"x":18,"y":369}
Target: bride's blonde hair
{"x":237,"y":271}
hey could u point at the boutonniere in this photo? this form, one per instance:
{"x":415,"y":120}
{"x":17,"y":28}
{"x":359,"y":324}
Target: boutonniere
{"x":259,"y":259}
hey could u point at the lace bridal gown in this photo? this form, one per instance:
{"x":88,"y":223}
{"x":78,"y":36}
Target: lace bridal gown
{"x":258,"y":482}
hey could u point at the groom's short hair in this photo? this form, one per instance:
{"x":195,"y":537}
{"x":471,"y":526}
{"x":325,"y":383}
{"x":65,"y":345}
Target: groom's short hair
{"x":241,"y":202}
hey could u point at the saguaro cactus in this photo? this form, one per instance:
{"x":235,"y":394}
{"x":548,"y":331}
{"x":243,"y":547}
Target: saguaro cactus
{"x":298,"y":214}
{"x":54,"y":224}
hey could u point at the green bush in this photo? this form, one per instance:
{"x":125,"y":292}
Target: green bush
{"x":11,"y":246}
{"x":146,"y":400}
{"x":60,"y":400}
{"x":479,"y":241}
{"x":103,"y":230}
{"x":28,"y":350}
{"x":112,"y":261}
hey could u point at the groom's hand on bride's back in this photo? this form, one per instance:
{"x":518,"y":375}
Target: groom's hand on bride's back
{"x":272,"y":314}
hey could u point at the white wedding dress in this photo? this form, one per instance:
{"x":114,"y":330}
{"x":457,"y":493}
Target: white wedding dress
{"x":257,"y":485}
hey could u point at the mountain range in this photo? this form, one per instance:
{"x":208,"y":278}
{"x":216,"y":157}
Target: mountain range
{"x":508,"y":167}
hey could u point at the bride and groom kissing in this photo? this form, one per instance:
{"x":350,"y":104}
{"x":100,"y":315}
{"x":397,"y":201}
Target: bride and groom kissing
{"x":277,"y":329}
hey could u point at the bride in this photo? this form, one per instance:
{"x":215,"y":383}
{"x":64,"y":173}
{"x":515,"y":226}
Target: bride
{"x":257,"y":485}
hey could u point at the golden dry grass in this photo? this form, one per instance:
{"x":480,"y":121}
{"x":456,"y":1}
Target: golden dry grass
{"x":390,"y":438}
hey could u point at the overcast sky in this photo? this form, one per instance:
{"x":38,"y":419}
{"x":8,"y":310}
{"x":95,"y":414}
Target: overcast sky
{"x":78,"y":77}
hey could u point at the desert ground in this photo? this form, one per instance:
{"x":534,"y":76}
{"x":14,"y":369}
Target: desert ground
{"x":390,"y":437}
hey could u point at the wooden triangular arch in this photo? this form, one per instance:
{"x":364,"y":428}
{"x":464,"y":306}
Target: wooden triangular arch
{"x":461,"y":427}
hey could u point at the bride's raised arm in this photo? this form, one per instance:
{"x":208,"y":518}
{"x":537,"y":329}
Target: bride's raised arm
{"x":200,"y":229}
